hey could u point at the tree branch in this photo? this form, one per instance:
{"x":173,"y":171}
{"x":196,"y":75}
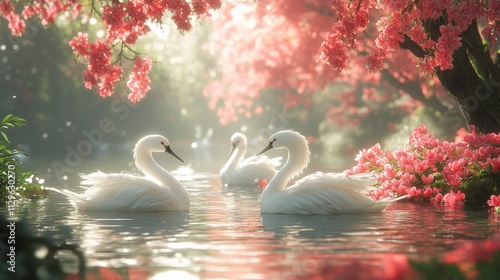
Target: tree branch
{"x":414,"y":90}
{"x":413,"y":47}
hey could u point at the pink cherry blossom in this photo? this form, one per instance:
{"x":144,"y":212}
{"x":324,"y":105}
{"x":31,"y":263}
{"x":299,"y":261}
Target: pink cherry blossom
{"x":124,"y":21}
{"x":139,"y":81}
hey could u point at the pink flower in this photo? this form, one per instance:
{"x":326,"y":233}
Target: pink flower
{"x":415,"y":192}
{"x":474,"y":251}
{"x":453,"y":199}
{"x":454,"y":172}
{"x":334,"y":52}
{"x":16,"y":24}
{"x":401,"y":190}
{"x":427,"y":192}
{"x":80,"y":44}
{"x":389,"y":172}
{"x":494,"y":201}
{"x":395,"y":266}
{"x":427,"y":179}
{"x":375,"y":61}
{"x":437,"y":199}
{"x":495,"y":164}
{"x":263,"y":183}
{"x":139,"y":81}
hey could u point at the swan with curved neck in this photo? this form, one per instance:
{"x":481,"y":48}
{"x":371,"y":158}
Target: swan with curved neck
{"x":158,"y":190}
{"x":240,"y":171}
{"x":318,"y":193}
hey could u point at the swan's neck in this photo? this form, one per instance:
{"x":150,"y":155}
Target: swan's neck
{"x":296,"y":163}
{"x":145,"y":162}
{"x":233,"y":161}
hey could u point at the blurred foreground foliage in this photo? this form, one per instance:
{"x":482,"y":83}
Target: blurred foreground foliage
{"x":26,"y":256}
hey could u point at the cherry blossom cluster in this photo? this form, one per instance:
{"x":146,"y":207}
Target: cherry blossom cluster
{"x":428,"y":169}
{"x":397,"y":21}
{"x":124,"y":23}
{"x":47,"y":12}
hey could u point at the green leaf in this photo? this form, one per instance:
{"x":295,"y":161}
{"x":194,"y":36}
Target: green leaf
{"x":5,"y":137}
{"x":7,"y":118}
{"x":3,"y":145}
{"x":18,"y":121}
{"x":11,"y":120}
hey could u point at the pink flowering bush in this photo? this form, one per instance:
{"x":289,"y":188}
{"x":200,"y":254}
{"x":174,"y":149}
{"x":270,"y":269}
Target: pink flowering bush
{"x":124,"y":21}
{"x":440,"y":172}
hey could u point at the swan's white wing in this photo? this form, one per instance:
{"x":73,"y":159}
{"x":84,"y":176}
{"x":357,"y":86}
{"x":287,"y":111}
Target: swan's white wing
{"x":327,"y":193}
{"x":120,"y":191}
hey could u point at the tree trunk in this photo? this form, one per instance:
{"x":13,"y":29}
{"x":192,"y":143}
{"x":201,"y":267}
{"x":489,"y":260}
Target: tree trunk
{"x":474,"y":81}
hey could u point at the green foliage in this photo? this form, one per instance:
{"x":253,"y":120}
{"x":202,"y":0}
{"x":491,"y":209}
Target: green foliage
{"x":434,"y":269}
{"x":479,"y":187}
{"x":11,"y":172}
{"x":489,"y":270}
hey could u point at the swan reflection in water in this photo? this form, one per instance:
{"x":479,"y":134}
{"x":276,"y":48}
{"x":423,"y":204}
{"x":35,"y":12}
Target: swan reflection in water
{"x":129,"y":238}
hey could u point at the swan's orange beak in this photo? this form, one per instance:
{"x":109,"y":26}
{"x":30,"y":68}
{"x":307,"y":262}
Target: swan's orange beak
{"x":169,"y":150}
{"x":269,"y":147}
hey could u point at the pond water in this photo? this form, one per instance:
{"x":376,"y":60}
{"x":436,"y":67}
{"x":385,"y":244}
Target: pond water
{"x":224,"y":235}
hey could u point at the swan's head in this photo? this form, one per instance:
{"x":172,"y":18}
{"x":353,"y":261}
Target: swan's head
{"x":153,"y":143}
{"x":297,"y":146}
{"x":239,"y":140}
{"x":287,"y":139}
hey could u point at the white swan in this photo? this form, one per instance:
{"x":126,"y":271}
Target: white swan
{"x":318,"y":193}
{"x":157,"y":191}
{"x":239,"y":171}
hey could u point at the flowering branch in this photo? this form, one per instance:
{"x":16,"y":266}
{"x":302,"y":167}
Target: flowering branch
{"x":124,"y":22}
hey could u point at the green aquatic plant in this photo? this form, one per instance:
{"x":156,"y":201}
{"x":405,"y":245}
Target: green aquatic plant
{"x":17,"y":182}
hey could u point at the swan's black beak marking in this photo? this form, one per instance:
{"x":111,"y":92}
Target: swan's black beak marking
{"x":169,"y":150}
{"x":269,"y":147}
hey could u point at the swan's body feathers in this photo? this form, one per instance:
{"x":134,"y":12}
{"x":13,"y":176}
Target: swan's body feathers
{"x":239,"y":171}
{"x":327,"y":193}
{"x":156,"y":191}
{"x":318,"y":193}
{"x":122,"y":192}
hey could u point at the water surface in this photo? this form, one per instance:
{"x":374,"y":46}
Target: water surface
{"x":224,"y":235}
